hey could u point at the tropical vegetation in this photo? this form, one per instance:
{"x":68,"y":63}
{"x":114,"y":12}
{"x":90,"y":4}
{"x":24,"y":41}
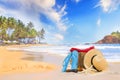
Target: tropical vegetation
{"x":13,"y":30}
{"x":113,"y":38}
{"x":116,"y":34}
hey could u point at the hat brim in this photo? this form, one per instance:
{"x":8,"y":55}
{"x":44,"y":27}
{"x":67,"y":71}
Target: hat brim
{"x":88,"y":57}
{"x":100,"y":63}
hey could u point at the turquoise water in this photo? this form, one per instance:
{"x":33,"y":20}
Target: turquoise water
{"x":110,"y":51}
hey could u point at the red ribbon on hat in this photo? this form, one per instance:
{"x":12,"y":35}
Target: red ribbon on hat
{"x":82,"y":50}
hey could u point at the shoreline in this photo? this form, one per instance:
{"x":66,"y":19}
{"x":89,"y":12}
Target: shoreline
{"x":11,"y":62}
{"x":25,"y":67}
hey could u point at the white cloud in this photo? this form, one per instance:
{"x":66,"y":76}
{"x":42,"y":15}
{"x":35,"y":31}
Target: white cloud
{"x":99,"y":22}
{"x":105,"y":4}
{"x":56,"y":17}
{"x":34,"y":7}
{"x":109,"y":5}
{"x":27,"y":10}
{"x":77,"y":1}
{"x":116,"y":28}
{"x":54,"y":37}
{"x":58,"y":37}
{"x":20,"y":15}
{"x":61,"y":26}
{"x":62,"y":12}
{"x":39,"y":3}
{"x":30,"y":10}
{"x":2,"y":10}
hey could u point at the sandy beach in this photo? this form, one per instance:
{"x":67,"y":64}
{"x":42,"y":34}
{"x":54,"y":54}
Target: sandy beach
{"x":16,"y":65}
{"x":11,"y":62}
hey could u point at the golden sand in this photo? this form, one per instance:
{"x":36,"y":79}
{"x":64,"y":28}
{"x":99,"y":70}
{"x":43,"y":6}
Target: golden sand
{"x":11,"y":62}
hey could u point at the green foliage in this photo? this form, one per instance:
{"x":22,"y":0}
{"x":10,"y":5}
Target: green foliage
{"x":40,"y":34}
{"x":116,"y":34}
{"x":18,"y":29}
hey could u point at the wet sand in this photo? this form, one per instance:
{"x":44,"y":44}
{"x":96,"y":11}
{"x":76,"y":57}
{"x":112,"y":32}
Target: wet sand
{"x":54,"y":72}
{"x":11,"y":62}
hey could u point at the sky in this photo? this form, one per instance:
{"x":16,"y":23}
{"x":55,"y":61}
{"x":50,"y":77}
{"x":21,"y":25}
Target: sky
{"x":67,"y":21}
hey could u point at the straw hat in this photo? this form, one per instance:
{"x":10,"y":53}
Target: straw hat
{"x":94,"y":57}
{"x":99,"y":63}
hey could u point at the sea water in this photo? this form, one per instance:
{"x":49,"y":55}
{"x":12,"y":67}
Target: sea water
{"x":110,"y":51}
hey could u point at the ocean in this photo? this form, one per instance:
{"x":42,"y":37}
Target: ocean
{"x":110,"y":51}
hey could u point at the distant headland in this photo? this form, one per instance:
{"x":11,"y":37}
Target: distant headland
{"x":113,"y":38}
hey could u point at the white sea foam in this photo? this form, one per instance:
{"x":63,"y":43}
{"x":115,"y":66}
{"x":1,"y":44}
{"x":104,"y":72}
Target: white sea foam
{"x":113,"y":60}
{"x":97,"y":46}
{"x":14,"y":49}
{"x":111,"y":56}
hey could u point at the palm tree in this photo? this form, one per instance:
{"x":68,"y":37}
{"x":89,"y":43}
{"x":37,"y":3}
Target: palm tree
{"x":31,"y":32}
{"x":30,"y":25}
{"x":32,"y":35}
{"x":19,"y":30}
{"x":40,"y":34}
{"x":3,"y":27}
{"x":12,"y":29}
{"x":11,"y":23}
